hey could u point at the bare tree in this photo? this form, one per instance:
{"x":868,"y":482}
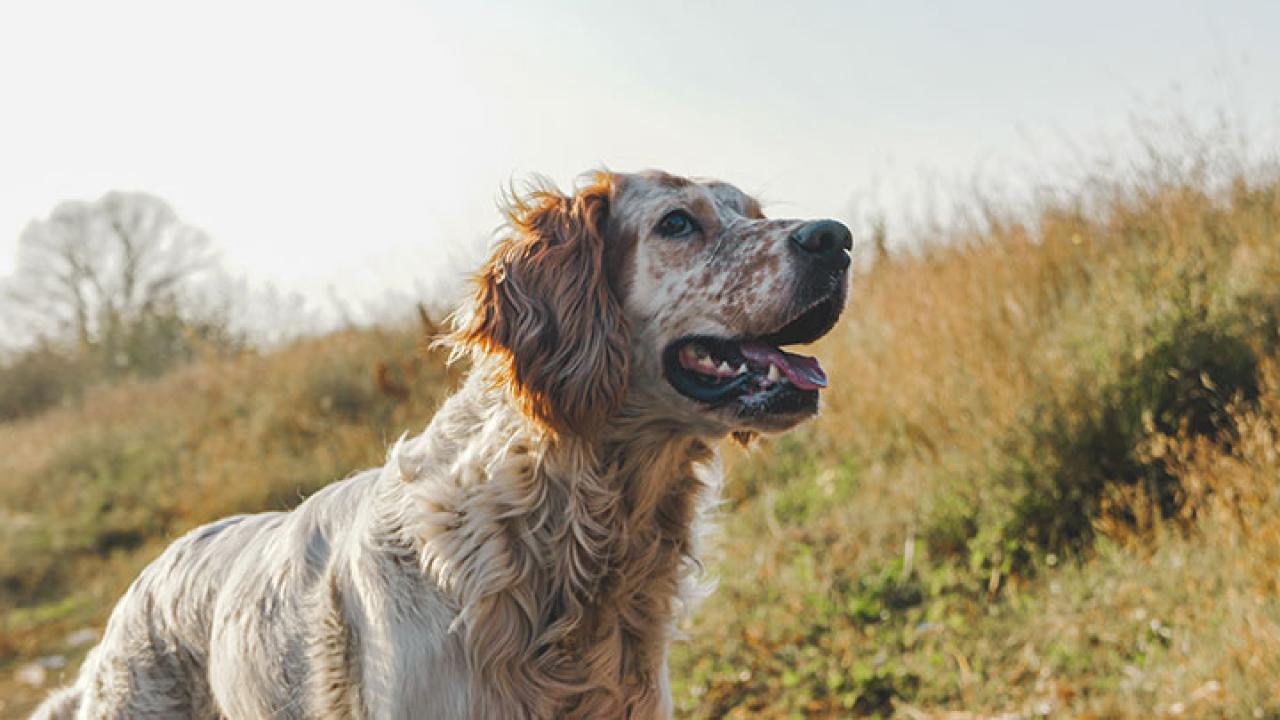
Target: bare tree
{"x":94,"y":271}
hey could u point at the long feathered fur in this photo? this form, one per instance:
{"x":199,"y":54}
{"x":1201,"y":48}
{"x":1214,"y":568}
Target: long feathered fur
{"x":545,"y":314}
{"x":527,"y":556}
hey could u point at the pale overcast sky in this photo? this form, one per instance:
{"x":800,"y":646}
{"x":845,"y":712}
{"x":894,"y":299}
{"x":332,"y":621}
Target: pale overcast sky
{"x":352,"y":148}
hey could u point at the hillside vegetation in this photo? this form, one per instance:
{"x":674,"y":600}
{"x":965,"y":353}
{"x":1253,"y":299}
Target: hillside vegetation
{"x":89,"y":495}
{"x":1044,"y":482}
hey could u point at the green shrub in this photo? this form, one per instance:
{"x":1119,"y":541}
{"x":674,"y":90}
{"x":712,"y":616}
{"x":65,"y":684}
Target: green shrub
{"x":1046,"y":491}
{"x":38,"y":378}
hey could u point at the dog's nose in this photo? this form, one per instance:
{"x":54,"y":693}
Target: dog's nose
{"x":824,"y":240}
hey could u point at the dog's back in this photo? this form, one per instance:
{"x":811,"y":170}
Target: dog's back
{"x":228,"y":611}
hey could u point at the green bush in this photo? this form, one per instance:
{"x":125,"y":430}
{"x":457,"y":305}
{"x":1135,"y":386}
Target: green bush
{"x":38,"y":378}
{"x":1046,"y":490}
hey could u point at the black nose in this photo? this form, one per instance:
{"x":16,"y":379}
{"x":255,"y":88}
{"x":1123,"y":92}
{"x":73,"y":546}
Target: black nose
{"x":825,"y":241}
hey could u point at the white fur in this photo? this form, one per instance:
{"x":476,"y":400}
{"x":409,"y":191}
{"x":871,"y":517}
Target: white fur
{"x":489,"y":569}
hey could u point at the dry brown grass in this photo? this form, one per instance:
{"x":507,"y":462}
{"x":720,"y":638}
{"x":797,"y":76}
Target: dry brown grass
{"x":1002,"y":404}
{"x":92,"y":493}
{"x":1044,"y":481}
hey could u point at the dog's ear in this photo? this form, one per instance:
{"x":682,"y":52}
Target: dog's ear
{"x":544,"y":310}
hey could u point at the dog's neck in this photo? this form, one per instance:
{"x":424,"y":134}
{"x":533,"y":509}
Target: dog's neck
{"x":570,"y":559}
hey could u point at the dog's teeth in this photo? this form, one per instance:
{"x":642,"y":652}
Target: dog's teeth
{"x":774,"y":374}
{"x":707,"y":362}
{"x":724,"y":368}
{"x":742,"y":369}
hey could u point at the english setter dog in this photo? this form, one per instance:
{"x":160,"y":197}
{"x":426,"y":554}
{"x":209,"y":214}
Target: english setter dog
{"x":528,"y":555}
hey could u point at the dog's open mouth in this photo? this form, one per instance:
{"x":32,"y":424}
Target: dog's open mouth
{"x":755,"y":371}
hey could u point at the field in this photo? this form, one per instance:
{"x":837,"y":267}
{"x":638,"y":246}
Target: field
{"x":1044,"y":482}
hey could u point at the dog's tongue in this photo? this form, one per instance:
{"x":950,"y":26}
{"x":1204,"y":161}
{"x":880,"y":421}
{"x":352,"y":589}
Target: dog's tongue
{"x":803,"y":372}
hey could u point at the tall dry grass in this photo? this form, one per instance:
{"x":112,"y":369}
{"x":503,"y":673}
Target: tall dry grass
{"x":1044,"y":480}
{"x":93,"y":492}
{"x":988,"y":517}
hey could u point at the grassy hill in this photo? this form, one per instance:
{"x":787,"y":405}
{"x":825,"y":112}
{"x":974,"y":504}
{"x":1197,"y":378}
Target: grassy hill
{"x":89,"y":495}
{"x":1046,"y":480}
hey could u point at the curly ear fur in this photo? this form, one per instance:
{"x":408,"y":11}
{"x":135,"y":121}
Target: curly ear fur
{"x":544,"y":310}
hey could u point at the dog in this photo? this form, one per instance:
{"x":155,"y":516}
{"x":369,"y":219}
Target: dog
{"x":529,"y":554}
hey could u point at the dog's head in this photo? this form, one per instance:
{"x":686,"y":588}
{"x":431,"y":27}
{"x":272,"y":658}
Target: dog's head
{"x":656,"y":295}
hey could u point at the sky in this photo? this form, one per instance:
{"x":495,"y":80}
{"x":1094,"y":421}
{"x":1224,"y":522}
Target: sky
{"x":350,"y":152}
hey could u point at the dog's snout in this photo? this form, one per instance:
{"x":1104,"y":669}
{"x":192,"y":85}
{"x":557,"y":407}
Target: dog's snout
{"x":826,"y":241}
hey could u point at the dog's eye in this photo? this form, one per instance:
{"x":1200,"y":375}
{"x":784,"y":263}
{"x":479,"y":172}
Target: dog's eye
{"x":677,"y":223}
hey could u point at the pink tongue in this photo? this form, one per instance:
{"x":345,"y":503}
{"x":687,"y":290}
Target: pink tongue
{"x":803,"y":372}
